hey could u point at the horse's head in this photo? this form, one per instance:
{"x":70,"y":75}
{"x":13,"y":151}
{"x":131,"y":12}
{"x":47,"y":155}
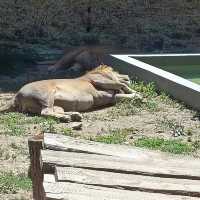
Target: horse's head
{"x":109,"y":73}
{"x":105,"y":78}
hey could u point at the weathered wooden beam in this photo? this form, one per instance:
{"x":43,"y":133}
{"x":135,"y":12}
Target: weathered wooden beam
{"x":49,"y":178}
{"x":65,"y":143}
{"x":74,"y":191}
{"x":35,"y":146}
{"x":129,"y":181}
{"x":118,"y":164}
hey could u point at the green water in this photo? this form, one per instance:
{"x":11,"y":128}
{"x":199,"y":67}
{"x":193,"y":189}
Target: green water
{"x":187,"y":67}
{"x":190,"y":72}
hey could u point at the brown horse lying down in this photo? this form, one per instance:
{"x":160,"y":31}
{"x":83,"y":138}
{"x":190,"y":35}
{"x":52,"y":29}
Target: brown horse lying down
{"x":65,"y":98}
{"x":84,"y":58}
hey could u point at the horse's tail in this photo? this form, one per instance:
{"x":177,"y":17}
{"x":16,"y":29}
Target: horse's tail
{"x":8,"y":107}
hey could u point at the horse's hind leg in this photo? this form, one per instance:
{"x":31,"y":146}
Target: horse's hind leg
{"x":48,"y":109}
{"x":58,"y":112}
{"x":135,"y":96}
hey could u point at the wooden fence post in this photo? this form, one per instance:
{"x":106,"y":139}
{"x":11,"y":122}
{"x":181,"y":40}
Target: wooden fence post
{"x":35,"y":146}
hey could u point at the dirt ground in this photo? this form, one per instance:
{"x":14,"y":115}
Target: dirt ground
{"x":158,"y":116}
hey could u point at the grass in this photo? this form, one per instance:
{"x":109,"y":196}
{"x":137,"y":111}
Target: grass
{"x":16,"y":124}
{"x":130,"y":107}
{"x":22,"y":119}
{"x":171,"y":146}
{"x":122,"y":136}
{"x":126,"y":136}
{"x":115,"y":137}
{"x":126,"y":107}
{"x":4,"y":154}
{"x":147,"y":90}
{"x":153,"y":96}
{"x":176,"y":128}
{"x":10,"y":183}
{"x":149,"y":94}
{"x":67,"y":131}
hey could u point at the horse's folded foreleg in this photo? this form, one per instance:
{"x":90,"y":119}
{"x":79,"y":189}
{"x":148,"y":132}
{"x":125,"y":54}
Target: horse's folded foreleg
{"x":135,"y":95}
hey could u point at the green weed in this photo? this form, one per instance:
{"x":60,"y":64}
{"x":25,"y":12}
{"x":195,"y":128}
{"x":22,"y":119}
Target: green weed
{"x":131,"y":107}
{"x":172,"y":146}
{"x":175,"y":127}
{"x":126,"y":107}
{"x":16,"y":124}
{"x":147,"y":90}
{"x":67,"y":131}
{"x":117,"y":136}
{"x":10,"y":183}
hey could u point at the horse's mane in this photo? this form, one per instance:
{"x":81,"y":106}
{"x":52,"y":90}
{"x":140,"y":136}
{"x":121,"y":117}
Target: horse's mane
{"x":101,"y":69}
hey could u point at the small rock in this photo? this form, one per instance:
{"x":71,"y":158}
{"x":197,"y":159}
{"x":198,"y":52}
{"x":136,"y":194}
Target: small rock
{"x":75,"y":125}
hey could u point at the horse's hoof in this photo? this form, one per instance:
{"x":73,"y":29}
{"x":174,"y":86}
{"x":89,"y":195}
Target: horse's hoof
{"x":64,"y":118}
{"x":75,"y":125}
{"x":76,"y":117}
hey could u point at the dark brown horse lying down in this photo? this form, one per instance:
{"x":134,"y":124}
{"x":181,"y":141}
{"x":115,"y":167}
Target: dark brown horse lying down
{"x":84,"y":58}
{"x":65,"y":98}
